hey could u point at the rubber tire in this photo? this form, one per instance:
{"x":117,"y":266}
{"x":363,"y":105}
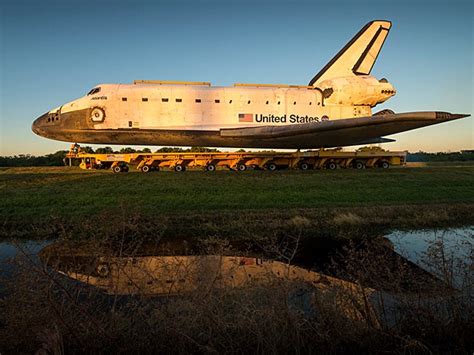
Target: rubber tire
{"x":146,"y":168}
{"x":210,"y":167}
{"x":179,"y":168}
{"x":359,"y":165}
{"x":241,"y":167}
{"x":272,"y":167}
{"x":304,"y":166}
{"x":385,"y":164}
{"x":331,"y":165}
{"x":125,"y":169}
{"x":117,"y":169}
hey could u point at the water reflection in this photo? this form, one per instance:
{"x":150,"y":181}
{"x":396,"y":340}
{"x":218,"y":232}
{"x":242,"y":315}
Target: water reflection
{"x":190,"y":289}
{"x":177,"y":274}
{"x":177,"y":266}
{"x":363,"y":283}
{"x":152,"y":271}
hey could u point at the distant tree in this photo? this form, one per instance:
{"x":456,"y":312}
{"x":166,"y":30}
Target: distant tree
{"x":87,"y":150}
{"x":146,"y":150}
{"x":201,"y":150}
{"x":440,"y":156}
{"x":127,"y":150}
{"x":181,"y":150}
{"x":105,"y":150}
{"x":55,"y":159}
{"x":169,"y":150}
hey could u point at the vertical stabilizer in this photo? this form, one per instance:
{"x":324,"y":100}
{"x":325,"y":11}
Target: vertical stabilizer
{"x":359,"y":55}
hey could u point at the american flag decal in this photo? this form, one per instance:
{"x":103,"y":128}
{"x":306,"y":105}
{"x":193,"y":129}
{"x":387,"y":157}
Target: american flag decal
{"x":245,"y":117}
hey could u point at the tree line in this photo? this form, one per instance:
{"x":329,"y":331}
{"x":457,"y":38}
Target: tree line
{"x":464,"y":155}
{"x":57,"y":159}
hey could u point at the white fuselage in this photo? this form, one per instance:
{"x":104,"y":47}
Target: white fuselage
{"x":199,"y":106}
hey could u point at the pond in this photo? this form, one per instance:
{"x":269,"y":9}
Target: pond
{"x":166,"y":292}
{"x":447,"y":253}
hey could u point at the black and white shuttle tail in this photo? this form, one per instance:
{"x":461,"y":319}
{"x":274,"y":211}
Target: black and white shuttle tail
{"x":359,"y":55}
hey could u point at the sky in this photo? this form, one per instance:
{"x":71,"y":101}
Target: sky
{"x":55,"y":51}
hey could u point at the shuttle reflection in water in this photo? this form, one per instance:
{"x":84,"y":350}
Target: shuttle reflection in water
{"x":164,"y":274}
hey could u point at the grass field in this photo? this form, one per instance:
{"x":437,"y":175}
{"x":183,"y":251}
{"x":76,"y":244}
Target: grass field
{"x":440,"y":194}
{"x":254,"y":208}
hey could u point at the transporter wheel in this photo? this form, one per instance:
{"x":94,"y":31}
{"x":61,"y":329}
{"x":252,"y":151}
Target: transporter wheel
{"x":179,"y":168}
{"x":331,"y":165}
{"x":145,"y":168}
{"x":304,"y":166}
{"x":272,"y":167}
{"x":125,"y":169}
{"x":156,"y":168}
{"x":117,"y":169}
{"x":385,"y":164}
{"x":210,"y":167}
{"x":241,"y":167}
{"x":359,"y":165}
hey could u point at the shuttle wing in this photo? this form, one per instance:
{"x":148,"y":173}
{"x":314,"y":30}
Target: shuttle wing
{"x":372,"y":126}
{"x":359,"y":55}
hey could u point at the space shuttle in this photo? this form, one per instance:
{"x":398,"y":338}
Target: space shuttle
{"x":335,"y":109}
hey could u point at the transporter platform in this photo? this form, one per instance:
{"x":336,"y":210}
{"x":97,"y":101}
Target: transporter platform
{"x":238,"y":161}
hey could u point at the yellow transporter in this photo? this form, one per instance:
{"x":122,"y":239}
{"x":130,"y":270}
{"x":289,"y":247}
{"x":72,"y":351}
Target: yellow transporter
{"x":241,"y":161}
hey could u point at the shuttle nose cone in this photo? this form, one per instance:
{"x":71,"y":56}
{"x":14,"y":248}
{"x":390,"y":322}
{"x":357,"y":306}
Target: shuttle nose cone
{"x":37,"y":125}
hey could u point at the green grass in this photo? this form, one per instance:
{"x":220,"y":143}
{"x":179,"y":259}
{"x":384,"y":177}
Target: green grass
{"x":50,"y":201}
{"x":65,"y":192}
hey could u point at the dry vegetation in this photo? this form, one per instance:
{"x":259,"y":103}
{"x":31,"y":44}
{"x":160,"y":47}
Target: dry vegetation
{"x":409,"y":311}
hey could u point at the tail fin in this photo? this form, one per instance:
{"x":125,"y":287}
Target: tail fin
{"x":359,"y":55}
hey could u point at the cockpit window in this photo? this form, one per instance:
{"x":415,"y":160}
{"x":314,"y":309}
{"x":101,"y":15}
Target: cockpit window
{"x":93,"y":91}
